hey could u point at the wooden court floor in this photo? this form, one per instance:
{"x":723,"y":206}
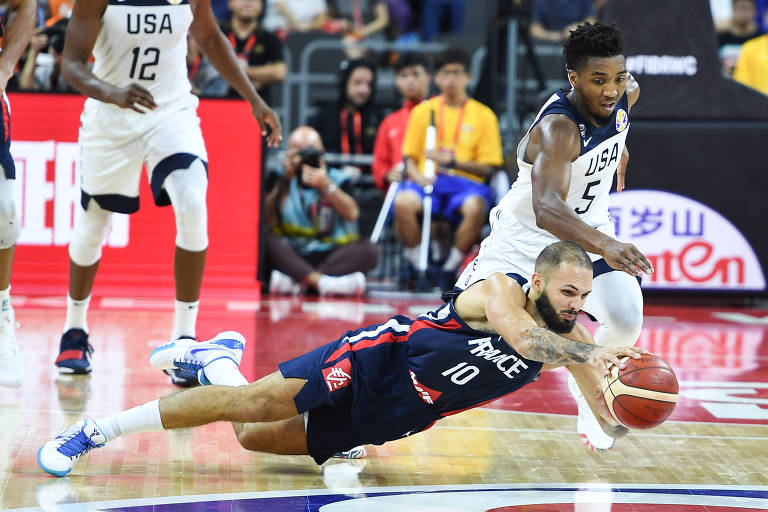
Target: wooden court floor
{"x":520,"y":453}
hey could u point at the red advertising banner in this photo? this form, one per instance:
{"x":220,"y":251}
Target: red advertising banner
{"x":138,"y":255}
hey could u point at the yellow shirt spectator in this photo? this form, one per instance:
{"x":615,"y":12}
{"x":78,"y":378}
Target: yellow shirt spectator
{"x":476,"y":140}
{"x":752,"y":66}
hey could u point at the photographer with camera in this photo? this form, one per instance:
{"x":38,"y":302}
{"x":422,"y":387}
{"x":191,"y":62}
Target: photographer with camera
{"x":314,"y":243}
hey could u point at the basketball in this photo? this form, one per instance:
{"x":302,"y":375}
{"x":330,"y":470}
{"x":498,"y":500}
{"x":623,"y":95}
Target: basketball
{"x":643,"y":394}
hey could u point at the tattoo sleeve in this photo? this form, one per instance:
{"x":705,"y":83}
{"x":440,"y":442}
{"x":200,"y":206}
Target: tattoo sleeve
{"x":547,"y":347}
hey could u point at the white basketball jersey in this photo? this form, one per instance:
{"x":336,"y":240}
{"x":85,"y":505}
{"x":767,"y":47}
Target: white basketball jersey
{"x":145,"y":41}
{"x":591,"y":173}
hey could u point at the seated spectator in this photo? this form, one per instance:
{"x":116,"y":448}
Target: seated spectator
{"x":434,"y":12}
{"x":357,"y":20}
{"x":42,"y":67}
{"x":314,"y":243}
{"x":284,"y":16}
{"x":468,"y":148}
{"x":752,"y":67}
{"x":552,"y":20}
{"x":349,"y":126}
{"x":412,"y":81}
{"x":259,"y":51}
{"x":741,"y":28}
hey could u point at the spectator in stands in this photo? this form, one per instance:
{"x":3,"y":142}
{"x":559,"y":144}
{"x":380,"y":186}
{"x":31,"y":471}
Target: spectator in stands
{"x":552,"y":20}
{"x":349,"y":126}
{"x":42,"y":66}
{"x":741,"y":28}
{"x":433,"y":13}
{"x":412,"y":81}
{"x":314,"y":243}
{"x":468,"y":149}
{"x":284,"y":16}
{"x":259,"y":51}
{"x":357,"y":20}
{"x":752,"y":67}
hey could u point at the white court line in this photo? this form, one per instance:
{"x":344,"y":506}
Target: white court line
{"x":358,"y":491}
{"x":633,"y":433}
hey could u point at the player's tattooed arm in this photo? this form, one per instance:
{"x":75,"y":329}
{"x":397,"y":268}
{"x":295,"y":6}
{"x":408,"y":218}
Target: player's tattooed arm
{"x":540,"y":344}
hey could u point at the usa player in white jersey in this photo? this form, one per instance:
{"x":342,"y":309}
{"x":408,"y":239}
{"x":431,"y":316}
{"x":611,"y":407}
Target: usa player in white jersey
{"x":141,"y":111}
{"x":16,"y":33}
{"x":567,"y":162}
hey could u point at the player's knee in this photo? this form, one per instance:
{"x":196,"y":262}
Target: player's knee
{"x":89,"y":235}
{"x":624,"y":321}
{"x":191,"y":220}
{"x":10,"y":230}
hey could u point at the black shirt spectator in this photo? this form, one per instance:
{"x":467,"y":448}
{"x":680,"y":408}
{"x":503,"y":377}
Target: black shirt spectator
{"x":349,"y":126}
{"x":260,"y":51}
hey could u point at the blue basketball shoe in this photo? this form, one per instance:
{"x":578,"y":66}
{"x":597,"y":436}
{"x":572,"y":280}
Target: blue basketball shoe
{"x":74,"y":353}
{"x":59,"y":455}
{"x":183,"y":378}
{"x":194,"y":356}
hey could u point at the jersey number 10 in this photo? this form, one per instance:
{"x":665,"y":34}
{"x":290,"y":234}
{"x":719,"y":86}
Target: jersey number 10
{"x":152,"y":57}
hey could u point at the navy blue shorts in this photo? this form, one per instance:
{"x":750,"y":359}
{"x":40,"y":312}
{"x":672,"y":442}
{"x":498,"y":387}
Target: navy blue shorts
{"x":448,"y":194}
{"x":358,"y":390}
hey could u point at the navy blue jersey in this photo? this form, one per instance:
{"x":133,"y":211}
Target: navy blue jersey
{"x":455,"y":367}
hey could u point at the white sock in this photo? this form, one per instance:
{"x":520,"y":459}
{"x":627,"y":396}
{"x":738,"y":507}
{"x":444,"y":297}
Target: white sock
{"x":454,"y":259}
{"x":5,"y":303}
{"x":76,"y":313}
{"x":224,"y":372}
{"x":144,"y":418}
{"x":185,"y":319}
{"x":412,"y":255}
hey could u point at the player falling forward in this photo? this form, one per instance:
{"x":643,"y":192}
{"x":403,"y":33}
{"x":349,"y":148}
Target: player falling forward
{"x":567,"y":161}
{"x":382,"y":382}
{"x":141,"y":111}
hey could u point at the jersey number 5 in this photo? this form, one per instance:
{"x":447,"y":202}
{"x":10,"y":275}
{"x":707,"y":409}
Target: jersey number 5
{"x":588,"y":197}
{"x":152,"y":55}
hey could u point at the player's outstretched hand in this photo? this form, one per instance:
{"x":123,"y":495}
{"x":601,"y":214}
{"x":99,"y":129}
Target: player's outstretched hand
{"x":603,"y":357}
{"x":267,"y":117}
{"x":132,"y":97}
{"x":627,"y":258}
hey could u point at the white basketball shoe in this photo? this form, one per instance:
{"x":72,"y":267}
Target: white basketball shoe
{"x":587,"y":425}
{"x":59,"y":455}
{"x":194,"y":356}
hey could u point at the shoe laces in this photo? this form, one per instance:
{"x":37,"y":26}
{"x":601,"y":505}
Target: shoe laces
{"x":76,"y":444}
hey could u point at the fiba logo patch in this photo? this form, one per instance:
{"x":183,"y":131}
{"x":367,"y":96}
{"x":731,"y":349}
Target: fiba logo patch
{"x":338,"y":376}
{"x":622,"y":120}
{"x":175,"y":2}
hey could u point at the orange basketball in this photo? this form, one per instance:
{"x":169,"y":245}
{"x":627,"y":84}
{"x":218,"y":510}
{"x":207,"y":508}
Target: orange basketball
{"x":643,"y":394}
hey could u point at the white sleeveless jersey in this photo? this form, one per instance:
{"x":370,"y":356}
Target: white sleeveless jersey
{"x":591,"y":173}
{"x":145,"y":41}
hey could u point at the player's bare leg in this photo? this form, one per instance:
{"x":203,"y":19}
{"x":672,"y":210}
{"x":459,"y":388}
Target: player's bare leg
{"x":407,"y":210}
{"x":188,"y":269}
{"x":284,"y":437}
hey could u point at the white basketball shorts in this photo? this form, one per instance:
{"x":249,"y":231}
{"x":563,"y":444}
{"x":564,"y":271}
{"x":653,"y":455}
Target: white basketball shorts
{"x":115,"y":142}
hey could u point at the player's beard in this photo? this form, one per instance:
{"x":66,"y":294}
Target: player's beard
{"x":551,"y":317}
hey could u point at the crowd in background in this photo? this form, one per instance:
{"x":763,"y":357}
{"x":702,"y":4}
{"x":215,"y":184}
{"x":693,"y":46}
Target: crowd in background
{"x":258,"y":31}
